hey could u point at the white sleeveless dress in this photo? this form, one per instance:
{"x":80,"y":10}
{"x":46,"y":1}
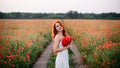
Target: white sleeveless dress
{"x":62,"y":59}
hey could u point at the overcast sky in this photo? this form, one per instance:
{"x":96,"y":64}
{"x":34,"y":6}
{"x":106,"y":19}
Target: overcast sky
{"x":60,"y":6}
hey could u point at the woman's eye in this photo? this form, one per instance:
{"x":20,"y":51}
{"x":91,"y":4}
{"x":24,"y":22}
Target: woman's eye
{"x":57,"y":26}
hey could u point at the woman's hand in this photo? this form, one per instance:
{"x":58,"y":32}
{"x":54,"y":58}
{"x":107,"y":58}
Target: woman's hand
{"x":68,"y":46}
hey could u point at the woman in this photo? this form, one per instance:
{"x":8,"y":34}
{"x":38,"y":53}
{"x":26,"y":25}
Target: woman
{"x":59,"y":32}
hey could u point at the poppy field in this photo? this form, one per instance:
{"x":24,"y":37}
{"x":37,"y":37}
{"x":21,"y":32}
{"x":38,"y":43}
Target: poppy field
{"x":23,"y":40}
{"x":98,"y":41}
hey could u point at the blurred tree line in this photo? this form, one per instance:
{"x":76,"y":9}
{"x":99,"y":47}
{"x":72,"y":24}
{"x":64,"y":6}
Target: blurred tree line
{"x":69,"y":15}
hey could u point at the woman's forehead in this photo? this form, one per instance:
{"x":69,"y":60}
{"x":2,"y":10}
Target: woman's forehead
{"x":57,"y":24}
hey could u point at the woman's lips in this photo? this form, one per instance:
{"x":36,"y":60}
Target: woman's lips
{"x":61,"y":28}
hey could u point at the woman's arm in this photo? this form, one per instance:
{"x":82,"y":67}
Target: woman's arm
{"x":56,"y":49}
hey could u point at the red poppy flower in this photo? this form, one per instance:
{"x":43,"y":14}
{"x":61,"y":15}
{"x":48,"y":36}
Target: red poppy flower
{"x":28,"y":55}
{"x":0,"y":46}
{"x":108,"y":44}
{"x":66,"y":40}
{"x":1,"y":55}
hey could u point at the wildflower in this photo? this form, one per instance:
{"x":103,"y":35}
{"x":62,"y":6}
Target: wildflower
{"x":108,"y":44}
{"x":0,"y":46}
{"x":7,"y":42}
{"x":13,"y":66}
{"x":41,"y":46}
{"x":4,"y":62}
{"x":28,"y":59}
{"x":22,"y":49}
{"x":108,"y":63}
{"x":99,"y":47}
{"x":113,"y":61}
{"x":28,"y":44}
{"x":85,"y":43}
{"x":95,"y":54}
{"x":9,"y":52}
{"x":103,"y":63}
{"x":24,"y":59}
{"x":1,"y":55}
{"x":30,"y":50}
{"x":10,"y":57}
{"x":28,"y":55}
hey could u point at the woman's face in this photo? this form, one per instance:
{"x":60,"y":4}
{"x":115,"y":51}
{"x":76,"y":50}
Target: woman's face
{"x":58,"y":27}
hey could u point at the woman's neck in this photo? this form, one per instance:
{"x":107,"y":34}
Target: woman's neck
{"x":60,"y":33}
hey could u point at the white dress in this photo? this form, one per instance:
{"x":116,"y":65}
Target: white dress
{"x":62,"y":59}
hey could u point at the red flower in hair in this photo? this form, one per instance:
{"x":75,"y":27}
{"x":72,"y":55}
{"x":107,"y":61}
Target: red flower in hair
{"x":66,"y":40}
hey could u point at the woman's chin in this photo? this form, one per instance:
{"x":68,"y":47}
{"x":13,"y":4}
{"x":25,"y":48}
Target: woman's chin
{"x":61,"y":29}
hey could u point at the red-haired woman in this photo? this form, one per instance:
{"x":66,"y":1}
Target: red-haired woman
{"x":59,"y":32}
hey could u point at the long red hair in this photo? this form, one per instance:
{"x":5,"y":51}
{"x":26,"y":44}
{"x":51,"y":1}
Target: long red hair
{"x":54,"y":31}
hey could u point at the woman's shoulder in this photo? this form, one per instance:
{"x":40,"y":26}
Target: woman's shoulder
{"x":57,"y":37}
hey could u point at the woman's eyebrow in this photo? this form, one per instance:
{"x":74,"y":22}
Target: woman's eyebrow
{"x":57,"y":25}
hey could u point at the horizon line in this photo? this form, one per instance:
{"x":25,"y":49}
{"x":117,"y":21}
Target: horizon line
{"x":57,"y":12}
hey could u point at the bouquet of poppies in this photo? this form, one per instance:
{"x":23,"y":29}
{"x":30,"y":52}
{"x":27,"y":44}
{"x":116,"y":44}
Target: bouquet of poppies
{"x":66,"y":40}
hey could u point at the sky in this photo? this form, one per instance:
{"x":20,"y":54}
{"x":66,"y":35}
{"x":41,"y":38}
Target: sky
{"x":60,"y":6}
